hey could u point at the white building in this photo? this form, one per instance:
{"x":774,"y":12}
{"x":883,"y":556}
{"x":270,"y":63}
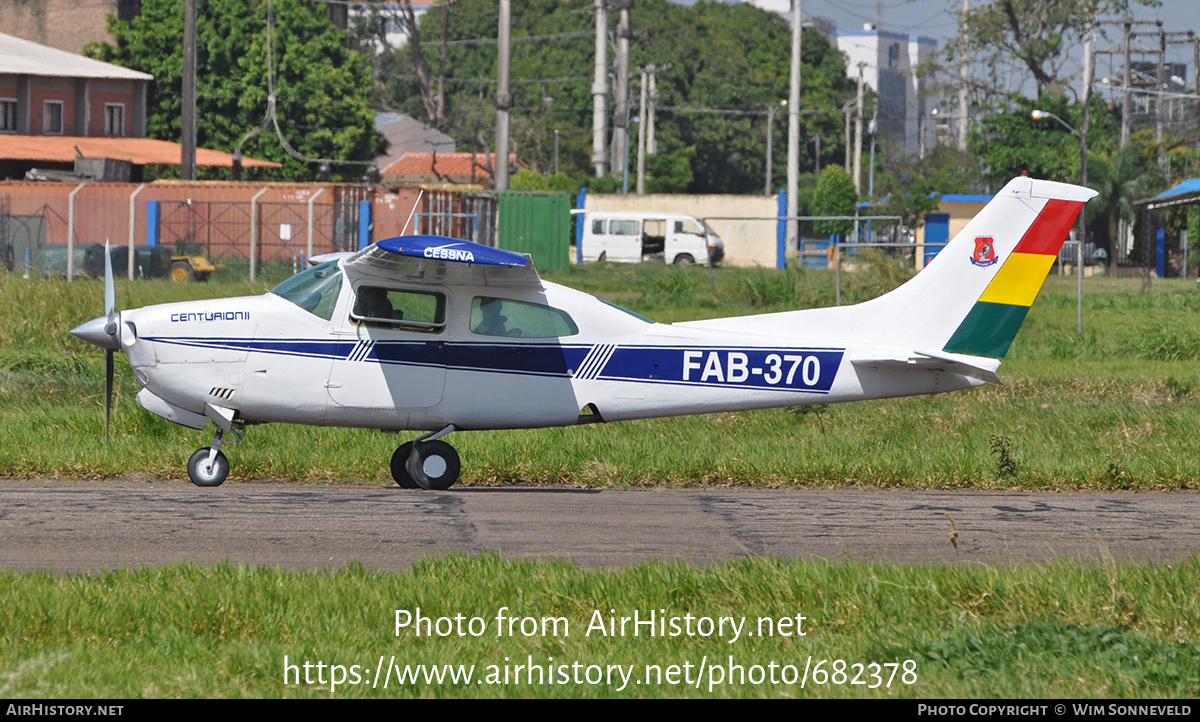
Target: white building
{"x":892,"y":67}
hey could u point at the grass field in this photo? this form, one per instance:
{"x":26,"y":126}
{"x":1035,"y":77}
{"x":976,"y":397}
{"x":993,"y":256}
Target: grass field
{"x":1114,"y":409}
{"x":1054,"y":631}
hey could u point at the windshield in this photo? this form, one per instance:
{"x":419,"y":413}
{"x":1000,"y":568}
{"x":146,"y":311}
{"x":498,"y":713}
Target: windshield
{"x":315,"y":290}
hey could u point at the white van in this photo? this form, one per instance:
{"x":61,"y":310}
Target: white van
{"x":629,"y":237}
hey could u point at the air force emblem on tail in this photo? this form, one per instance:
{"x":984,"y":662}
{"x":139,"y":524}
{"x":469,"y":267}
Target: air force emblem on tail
{"x":449,"y":253}
{"x":985,"y":251}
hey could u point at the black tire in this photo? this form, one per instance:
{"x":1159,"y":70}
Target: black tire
{"x":434,"y":466}
{"x":182,"y":272}
{"x":602,"y":257}
{"x":210,"y":477}
{"x":683,"y":260}
{"x":399,"y":473}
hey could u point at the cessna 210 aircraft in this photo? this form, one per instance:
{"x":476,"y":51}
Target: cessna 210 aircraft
{"x":440,"y":335}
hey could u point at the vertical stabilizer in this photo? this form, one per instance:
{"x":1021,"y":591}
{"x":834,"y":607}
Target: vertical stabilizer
{"x":971,"y":299}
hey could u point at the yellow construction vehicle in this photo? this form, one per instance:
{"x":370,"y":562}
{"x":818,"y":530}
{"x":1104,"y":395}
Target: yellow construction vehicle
{"x":192,"y":268}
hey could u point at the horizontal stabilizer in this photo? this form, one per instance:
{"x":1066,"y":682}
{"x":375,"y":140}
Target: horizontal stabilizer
{"x":971,"y":366}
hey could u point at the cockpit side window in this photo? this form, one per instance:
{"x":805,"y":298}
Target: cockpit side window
{"x":315,"y":290}
{"x":519,"y":319}
{"x":410,"y":310}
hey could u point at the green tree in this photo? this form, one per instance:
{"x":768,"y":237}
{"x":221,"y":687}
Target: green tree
{"x":323,"y":90}
{"x":1011,"y":142}
{"x":670,"y":172}
{"x":835,"y":196}
{"x":914,"y":186}
{"x":727,"y":65}
{"x":1037,"y":33}
{"x":528,"y":180}
{"x":1120,"y":179}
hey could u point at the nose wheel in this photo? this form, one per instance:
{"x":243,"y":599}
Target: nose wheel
{"x":205,"y":472}
{"x":209,"y":466}
{"x":431,"y":464}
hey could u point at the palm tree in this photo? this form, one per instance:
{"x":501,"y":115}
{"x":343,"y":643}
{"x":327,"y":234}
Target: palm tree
{"x":1120,"y":180}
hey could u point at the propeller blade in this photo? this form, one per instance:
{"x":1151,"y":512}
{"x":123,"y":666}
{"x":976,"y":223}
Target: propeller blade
{"x":110,"y":292}
{"x":108,"y":391}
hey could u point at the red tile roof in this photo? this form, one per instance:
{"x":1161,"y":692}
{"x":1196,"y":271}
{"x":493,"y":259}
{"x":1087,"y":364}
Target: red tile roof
{"x":445,"y":166}
{"x":139,"y":151}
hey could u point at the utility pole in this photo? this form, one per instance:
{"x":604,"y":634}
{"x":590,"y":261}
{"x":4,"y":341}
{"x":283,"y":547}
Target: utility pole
{"x":641,"y":169}
{"x":620,"y":148}
{"x":1089,"y":67}
{"x":963,"y":78}
{"x":770,"y":148}
{"x":600,"y":93}
{"x":1126,"y":90}
{"x":793,"y":162}
{"x":858,"y":133}
{"x":1158,"y":99}
{"x":187,"y":163}
{"x":651,"y":143}
{"x":503,"y":96}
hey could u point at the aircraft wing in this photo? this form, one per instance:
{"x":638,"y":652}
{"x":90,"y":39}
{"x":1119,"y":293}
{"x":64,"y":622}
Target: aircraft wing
{"x":442,"y":260}
{"x":974,"y":367}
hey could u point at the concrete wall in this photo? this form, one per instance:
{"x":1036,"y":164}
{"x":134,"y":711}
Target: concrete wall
{"x":64,"y":24}
{"x":747,"y":242}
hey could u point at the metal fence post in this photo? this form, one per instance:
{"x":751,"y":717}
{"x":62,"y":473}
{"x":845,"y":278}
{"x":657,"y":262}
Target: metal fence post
{"x":132,"y":224}
{"x":71,"y":233}
{"x":311,"y":201}
{"x":254,"y":232}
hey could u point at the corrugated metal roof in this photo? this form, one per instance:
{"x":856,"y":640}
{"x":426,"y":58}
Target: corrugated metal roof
{"x":24,"y":57}
{"x":139,"y":151}
{"x":1191,"y":185}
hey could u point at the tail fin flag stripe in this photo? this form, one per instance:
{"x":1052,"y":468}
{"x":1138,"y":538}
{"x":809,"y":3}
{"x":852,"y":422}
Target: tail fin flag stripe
{"x":992,"y":323}
{"x":988,"y":329}
{"x":1048,"y":232}
{"x":1019,"y":279}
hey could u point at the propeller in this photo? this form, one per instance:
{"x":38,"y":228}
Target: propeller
{"x":110,"y":327}
{"x":105,"y":332}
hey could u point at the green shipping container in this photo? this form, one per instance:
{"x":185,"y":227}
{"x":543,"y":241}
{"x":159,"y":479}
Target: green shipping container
{"x":538,"y":224}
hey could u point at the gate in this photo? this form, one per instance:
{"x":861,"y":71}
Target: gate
{"x":217,"y":228}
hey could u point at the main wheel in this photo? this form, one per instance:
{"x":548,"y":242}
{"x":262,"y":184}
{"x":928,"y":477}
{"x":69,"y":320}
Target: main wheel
{"x":683,"y":260}
{"x":399,"y":473}
{"x":435,"y":465}
{"x":201,"y":474}
{"x":182,"y":272}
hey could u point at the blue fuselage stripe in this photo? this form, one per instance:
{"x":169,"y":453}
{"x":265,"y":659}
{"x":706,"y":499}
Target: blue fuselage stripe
{"x":809,"y":370}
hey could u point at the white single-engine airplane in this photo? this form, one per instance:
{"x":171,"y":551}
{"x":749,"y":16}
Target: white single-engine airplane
{"x":440,"y":335}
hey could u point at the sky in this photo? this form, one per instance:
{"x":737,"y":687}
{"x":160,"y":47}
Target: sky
{"x":937,"y":19}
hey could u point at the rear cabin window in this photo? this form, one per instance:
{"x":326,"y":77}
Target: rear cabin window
{"x":408,"y":310}
{"x":598,"y":227}
{"x":519,"y":319}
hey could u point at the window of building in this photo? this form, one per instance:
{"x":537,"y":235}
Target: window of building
{"x":8,"y":115}
{"x":114,"y":119}
{"x":52,"y":117}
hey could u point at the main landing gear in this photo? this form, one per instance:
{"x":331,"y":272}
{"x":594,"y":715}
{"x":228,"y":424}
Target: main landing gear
{"x":426,"y":462}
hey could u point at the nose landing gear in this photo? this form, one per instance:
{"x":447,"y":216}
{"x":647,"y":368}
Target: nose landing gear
{"x":209,"y":466}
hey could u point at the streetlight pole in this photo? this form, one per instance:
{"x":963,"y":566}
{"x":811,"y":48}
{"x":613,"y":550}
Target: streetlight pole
{"x":1042,"y":115}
